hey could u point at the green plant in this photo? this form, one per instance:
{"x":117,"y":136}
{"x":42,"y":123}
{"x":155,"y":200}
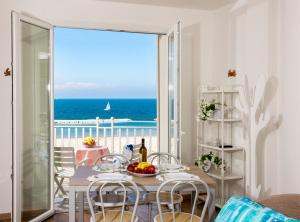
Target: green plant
{"x":207,"y":160}
{"x":207,"y":108}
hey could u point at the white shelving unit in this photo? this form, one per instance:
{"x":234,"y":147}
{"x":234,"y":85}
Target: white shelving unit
{"x":222,"y":128}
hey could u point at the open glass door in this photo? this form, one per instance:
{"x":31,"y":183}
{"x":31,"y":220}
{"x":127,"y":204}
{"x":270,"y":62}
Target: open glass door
{"x":32,"y":119}
{"x":174,"y":90}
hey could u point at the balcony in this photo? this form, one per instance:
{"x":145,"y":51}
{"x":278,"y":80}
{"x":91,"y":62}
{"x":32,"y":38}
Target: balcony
{"x":112,"y":133}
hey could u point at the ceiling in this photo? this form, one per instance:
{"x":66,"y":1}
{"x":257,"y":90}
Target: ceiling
{"x":191,"y":4}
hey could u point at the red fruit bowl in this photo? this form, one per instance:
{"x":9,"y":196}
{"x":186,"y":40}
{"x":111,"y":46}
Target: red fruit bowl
{"x":147,"y":172}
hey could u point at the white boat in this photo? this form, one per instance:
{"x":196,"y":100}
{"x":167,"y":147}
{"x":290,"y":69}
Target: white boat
{"x":107,"y":108}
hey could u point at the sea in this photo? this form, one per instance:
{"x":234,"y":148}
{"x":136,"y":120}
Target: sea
{"x":79,"y":109}
{"x":138,"y":112}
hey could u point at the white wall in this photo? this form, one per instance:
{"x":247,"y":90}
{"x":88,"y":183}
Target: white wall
{"x":254,"y":51}
{"x":289,"y":179}
{"x":5,"y":111}
{"x":94,"y":14}
{"x":263,"y":39}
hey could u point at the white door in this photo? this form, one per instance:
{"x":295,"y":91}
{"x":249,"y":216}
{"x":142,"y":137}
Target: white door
{"x":174,"y":90}
{"x":32,"y":119}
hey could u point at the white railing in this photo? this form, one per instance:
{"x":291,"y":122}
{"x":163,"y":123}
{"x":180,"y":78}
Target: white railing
{"x":72,"y":133}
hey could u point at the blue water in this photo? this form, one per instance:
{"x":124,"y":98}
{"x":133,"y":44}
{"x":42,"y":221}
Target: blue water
{"x":78,"y":109}
{"x":134,"y":109}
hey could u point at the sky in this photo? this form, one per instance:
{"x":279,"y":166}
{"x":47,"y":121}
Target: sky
{"x":104,"y":64}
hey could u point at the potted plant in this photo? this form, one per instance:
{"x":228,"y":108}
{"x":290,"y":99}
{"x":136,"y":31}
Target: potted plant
{"x":206,"y":161}
{"x":207,"y":109}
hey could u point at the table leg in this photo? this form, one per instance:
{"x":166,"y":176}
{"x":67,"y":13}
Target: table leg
{"x":211,"y":205}
{"x":72,"y":204}
{"x":81,"y":206}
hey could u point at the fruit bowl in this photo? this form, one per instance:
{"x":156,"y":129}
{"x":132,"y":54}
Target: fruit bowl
{"x":142,"y":169}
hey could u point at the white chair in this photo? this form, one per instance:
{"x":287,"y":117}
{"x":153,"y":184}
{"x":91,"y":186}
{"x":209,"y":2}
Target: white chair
{"x":118,"y":161}
{"x":64,"y":164}
{"x":161,"y":157}
{"x":173,"y":216}
{"x":150,"y":198}
{"x":104,"y":215}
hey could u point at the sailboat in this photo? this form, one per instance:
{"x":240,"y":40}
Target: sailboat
{"x":107,"y":108}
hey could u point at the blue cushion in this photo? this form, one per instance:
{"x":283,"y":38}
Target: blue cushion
{"x":242,"y":209}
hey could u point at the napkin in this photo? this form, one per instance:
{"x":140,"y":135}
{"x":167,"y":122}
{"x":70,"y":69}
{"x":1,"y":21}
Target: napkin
{"x":109,"y":176}
{"x":181,"y":175}
{"x":172,"y":168}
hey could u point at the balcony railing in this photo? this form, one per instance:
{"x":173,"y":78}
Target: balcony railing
{"x":113,"y":133}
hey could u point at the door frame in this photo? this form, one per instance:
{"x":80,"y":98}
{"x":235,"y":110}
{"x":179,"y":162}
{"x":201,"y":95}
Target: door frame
{"x":158,"y":73}
{"x":16,"y":159}
{"x":176,"y":32}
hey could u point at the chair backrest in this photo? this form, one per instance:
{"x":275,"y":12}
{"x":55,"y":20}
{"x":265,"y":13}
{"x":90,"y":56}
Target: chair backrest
{"x":120,"y":160}
{"x":64,"y":157}
{"x":101,"y":187}
{"x":161,"y":156}
{"x":176,"y":185}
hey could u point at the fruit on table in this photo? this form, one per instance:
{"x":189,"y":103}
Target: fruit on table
{"x":89,"y":141}
{"x":135,"y":164}
{"x":142,"y":167}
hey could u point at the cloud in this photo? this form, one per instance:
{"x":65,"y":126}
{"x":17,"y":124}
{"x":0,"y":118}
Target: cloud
{"x":85,"y":86}
{"x":76,"y":85}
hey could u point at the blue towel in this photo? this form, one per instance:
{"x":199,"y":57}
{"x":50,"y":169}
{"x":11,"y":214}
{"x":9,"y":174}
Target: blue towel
{"x":243,"y":209}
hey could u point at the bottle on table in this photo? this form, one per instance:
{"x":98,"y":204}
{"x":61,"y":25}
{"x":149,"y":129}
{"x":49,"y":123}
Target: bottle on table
{"x":143,"y":152}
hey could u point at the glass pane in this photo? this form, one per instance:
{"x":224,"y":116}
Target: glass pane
{"x":35,"y":153}
{"x":171,"y":95}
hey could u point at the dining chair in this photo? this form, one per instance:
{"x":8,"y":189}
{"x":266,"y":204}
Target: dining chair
{"x":117,"y":160}
{"x":64,"y":164}
{"x":123,"y":185}
{"x":150,"y":198}
{"x":160,"y":157}
{"x":175,"y":185}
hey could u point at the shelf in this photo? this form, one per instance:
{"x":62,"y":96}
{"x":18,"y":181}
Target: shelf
{"x":227,"y":178}
{"x":233,"y":149}
{"x":223,"y":123}
{"x":219,"y":91}
{"x":233,"y":120}
{"x":225,"y":120}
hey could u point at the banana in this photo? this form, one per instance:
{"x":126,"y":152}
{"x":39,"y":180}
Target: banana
{"x":143,"y":165}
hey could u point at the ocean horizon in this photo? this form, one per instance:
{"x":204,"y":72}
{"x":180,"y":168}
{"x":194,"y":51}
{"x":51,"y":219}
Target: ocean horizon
{"x":90,"y":108}
{"x":141,"y":110}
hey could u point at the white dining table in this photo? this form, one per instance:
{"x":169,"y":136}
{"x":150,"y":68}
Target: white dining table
{"x":79,"y":183}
